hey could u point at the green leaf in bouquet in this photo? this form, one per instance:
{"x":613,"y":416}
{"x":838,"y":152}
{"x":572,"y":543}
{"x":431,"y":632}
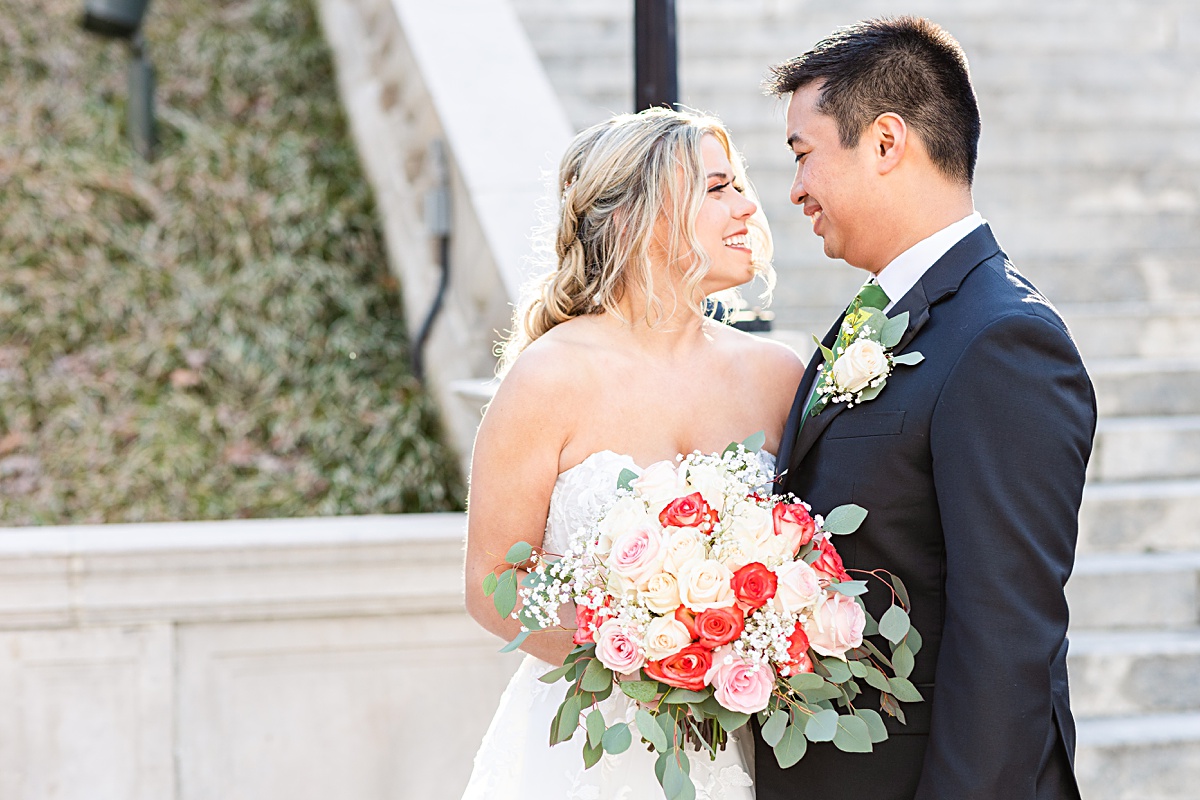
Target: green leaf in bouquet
{"x":685,"y":696}
{"x":892,"y":706}
{"x":876,"y":319}
{"x":595,"y":727}
{"x":851,"y":690}
{"x":893,"y":330}
{"x":773,"y":728}
{"x":894,"y":624}
{"x":844,"y":519}
{"x":591,"y":754}
{"x":642,"y":691}
{"x":626,"y":478}
{"x":901,"y":591}
{"x":806,"y":681}
{"x":791,"y":747}
{"x":826,"y":353}
{"x":913,"y":640}
{"x":676,"y":779}
{"x":505,"y":596}
{"x":902,"y":660}
{"x":827,"y":691}
{"x":596,"y":677}
{"x":731,"y":720}
{"x":857,"y":669}
{"x":519,"y":552}
{"x":872,"y":627}
{"x":566,"y":720}
{"x":617,"y":738}
{"x":908,"y":359}
{"x":877,"y":679}
{"x":755,"y":441}
{"x":557,"y":674}
{"x":872,"y":391}
{"x":516,"y":642}
{"x":850,"y":588}
{"x":875,"y":651}
{"x":670,"y":728}
{"x":490,"y":581}
{"x":691,"y":723}
{"x":852,"y":735}
{"x":708,"y":709}
{"x":839,"y":671}
{"x":874,"y":722}
{"x":904,"y":691}
{"x":822,"y":726}
{"x":649,"y":728}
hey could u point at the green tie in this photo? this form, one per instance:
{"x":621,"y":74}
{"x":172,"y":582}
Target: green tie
{"x":871,"y":295}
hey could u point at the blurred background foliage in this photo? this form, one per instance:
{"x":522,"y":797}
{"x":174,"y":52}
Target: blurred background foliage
{"x":215,"y":334}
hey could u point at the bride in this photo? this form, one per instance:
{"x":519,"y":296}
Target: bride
{"x":614,"y":365}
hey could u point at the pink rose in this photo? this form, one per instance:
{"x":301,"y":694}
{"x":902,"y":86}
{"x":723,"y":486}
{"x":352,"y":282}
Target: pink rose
{"x":836,"y":626}
{"x":793,"y":522}
{"x":797,"y":588}
{"x":739,"y":685}
{"x":638,"y":554}
{"x":617,"y":649}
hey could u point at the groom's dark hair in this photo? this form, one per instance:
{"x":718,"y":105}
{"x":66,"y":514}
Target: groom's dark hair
{"x":904,"y":65}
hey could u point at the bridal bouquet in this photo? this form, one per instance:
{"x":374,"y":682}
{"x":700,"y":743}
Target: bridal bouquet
{"x":706,"y":599}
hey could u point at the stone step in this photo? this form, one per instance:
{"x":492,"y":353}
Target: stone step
{"x":1134,"y":672}
{"x":1146,"y":448}
{"x":1146,"y":386}
{"x":1149,"y":757}
{"x":1158,"y":590}
{"x":1140,"y":516}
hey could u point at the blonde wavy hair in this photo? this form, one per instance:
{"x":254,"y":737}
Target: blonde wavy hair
{"x":616,"y":180}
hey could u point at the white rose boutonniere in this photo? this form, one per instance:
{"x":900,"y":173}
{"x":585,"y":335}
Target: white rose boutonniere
{"x":857,"y":367}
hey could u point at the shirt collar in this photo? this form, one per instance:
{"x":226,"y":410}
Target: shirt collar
{"x":907,"y":268}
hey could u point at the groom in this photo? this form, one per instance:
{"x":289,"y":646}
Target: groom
{"x":970,"y":463}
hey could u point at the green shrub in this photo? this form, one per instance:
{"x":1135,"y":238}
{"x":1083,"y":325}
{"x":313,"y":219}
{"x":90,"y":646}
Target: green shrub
{"x":214,"y":334}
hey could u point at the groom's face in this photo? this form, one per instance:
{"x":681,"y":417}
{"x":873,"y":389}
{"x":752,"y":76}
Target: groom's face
{"x":834,"y":184}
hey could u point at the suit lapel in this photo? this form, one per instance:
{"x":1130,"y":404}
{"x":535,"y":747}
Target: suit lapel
{"x":788,"y":440}
{"x":939,"y":282}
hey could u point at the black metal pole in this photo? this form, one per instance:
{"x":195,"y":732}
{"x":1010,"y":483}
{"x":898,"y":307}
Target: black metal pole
{"x":656,"y":60}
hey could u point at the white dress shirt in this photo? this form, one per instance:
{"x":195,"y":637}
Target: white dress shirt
{"x":907,"y":268}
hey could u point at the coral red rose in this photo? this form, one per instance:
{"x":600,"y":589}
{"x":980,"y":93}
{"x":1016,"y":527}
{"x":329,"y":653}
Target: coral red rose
{"x":689,"y":512}
{"x":754,"y":584}
{"x":685,"y":670}
{"x":798,"y":653}
{"x":587,"y":620}
{"x":688,"y":618}
{"x":718,"y":626}
{"x":793,"y":522}
{"x":829,"y":564}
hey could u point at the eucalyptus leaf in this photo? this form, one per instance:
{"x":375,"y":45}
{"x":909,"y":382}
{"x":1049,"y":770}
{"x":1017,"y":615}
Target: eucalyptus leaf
{"x":893,"y":330}
{"x":844,"y":519}
{"x":894,"y":624}
{"x":806,"y":681}
{"x":850,"y":588}
{"x":877,"y":679}
{"x":826,"y":691}
{"x":490,"y":581}
{"x":557,"y":673}
{"x":857,"y":669}
{"x":872,"y":627}
{"x":648,"y":727}
{"x":617,"y":738}
{"x":852,"y":735}
{"x":822,"y":726}
{"x":873,"y":391}
{"x":791,"y":747}
{"x":908,"y":359}
{"x":755,"y":441}
{"x":902,"y":660}
{"x":675,"y":776}
{"x":596,"y":677}
{"x":595,"y":727}
{"x":685,"y":696}
{"x":505,"y":596}
{"x":568,"y":717}
{"x":772,"y":730}
{"x":732,"y":720}
{"x":875,"y":651}
{"x":904,"y":691}
{"x":642,"y":691}
{"x":515,"y":643}
{"x":839,"y":672}
{"x":519,"y":552}
{"x":874,"y":722}
{"x":591,"y":754}
{"x":901,"y":590}
{"x":626,"y":478}
{"x":913,"y":640}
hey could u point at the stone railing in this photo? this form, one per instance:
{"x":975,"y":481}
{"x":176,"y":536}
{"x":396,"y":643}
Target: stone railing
{"x":459,"y":76}
{"x":273,"y":660}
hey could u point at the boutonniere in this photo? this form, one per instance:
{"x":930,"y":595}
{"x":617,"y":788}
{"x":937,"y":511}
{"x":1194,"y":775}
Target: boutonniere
{"x":857,"y":367}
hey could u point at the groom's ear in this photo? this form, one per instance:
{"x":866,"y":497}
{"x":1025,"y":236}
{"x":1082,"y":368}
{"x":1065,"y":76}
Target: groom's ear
{"x":889,"y":141}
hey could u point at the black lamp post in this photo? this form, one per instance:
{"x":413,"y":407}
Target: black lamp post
{"x":655,"y":70}
{"x":122,"y":19}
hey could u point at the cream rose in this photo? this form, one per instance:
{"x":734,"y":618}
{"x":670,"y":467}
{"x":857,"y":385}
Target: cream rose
{"x":626,"y":514}
{"x":709,"y":483}
{"x":659,"y":484}
{"x":665,"y":636}
{"x":860,"y":363}
{"x":684,"y":545}
{"x":638,"y":554}
{"x":705,"y":584}
{"x":799,"y":587}
{"x":618,"y":649}
{"x":661,"y":595}
{"x":836,"y":626}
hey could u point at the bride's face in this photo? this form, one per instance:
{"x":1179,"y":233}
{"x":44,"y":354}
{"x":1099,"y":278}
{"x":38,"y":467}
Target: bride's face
{"x":721,"y":225}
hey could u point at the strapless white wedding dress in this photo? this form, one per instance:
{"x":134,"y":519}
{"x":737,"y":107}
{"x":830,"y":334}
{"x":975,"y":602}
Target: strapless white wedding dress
{"x":516,"y":762}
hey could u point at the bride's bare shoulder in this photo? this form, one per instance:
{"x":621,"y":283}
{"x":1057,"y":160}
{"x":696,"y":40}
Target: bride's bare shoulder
{"x":767,"y":357}
{"x":557,"y":365}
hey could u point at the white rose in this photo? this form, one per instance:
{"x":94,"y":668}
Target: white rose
{"x":710,"y":483}
{"x":626,"y":514}
{"x":684,"y":545}
{"x":620,"y":586}
{"x":860,"y":363}
{"x":738,"y":549}
{"x":665,"y":636}
{"x":659,"y":484}
{"x":798,"y":588}
{"x":752,"y":521}
{"x":661,"y":594}
{"x":705,"y":584}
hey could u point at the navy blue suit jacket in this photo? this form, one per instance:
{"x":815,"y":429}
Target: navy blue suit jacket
{"x":971,"y":465}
